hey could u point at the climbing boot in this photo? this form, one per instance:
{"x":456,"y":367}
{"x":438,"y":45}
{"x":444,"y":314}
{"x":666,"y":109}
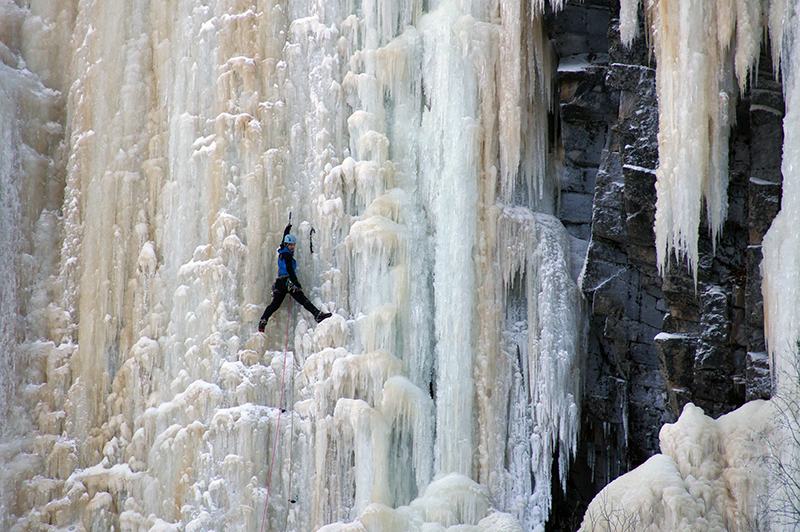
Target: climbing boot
{"x":262,"y":325}
{"x":323,"y":316}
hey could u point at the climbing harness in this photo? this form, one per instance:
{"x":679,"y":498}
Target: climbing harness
{"x":280,"y":410}
{"x":291,"y":287}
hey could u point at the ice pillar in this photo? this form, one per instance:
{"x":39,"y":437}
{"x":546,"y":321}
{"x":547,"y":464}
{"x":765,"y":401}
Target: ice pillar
{"x":449,"y":166}
{"x":781,"y":246}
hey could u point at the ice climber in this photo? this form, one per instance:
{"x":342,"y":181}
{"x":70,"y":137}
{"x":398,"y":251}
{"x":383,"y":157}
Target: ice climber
{"x":287,"y":282}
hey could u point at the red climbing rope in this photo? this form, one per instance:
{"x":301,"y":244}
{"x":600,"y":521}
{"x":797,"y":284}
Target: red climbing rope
{"x":280,"y":410}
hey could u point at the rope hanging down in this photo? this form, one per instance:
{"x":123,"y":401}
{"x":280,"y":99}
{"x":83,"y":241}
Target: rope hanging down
{"x":280,"y":410}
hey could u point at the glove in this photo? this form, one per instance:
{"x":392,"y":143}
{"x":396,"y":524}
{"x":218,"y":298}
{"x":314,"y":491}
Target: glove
{"x":292,"y":287}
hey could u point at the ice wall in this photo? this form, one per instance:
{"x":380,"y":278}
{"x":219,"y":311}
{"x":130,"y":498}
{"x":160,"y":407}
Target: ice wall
{"x":154,"y":153}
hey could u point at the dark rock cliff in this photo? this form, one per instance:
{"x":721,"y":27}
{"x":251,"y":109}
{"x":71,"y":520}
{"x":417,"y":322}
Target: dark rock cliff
{"x":654,"y":343}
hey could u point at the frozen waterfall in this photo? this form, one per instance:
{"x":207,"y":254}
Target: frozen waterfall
{"x":152,"y":152}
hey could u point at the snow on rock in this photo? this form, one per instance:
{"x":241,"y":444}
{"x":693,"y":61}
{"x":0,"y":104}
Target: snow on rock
{"x":711,"y":475}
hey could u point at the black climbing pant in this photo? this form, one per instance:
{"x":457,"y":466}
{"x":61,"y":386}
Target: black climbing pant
{"x":279,"y":291}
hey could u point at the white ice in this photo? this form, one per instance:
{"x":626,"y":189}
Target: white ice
{"x":152,"y":153}
{"x":710,"y":476}
{"x":704,"y":51}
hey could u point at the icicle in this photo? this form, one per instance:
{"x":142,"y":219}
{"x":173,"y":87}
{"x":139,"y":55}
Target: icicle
{"x":696,"y":95}
{"x":629,"y":20}
{"x":525,"y":62}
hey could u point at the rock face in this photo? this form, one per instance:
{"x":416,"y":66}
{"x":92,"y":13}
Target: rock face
{"x":654,"y":343}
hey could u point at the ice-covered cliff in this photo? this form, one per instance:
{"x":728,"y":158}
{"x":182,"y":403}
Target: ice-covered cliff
{"x":152,"y":152}
{"x":737,"y":472}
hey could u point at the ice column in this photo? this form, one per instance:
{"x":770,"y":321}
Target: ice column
{"x":30,"y":199}
{"x":109,"y":143}
{"x":10,"y":163}
{"x":781,"y":247}
{"x":781,"y":270}
{"x":545,"y":346}
{"x":449,"y":166}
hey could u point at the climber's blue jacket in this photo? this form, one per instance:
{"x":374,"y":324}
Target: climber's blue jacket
{"x":287,"y":266}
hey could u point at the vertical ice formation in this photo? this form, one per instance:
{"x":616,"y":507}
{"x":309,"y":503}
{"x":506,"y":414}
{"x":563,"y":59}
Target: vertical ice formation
{"x":11,"y":83}
{"x":451,"y":170}
{"x":524,"y":94}
{"x":160,"y":145}
{"x":542,"y":303}
{"x":30,"y":199}
{"x":699,"y":47}
{"x":779,"y":268}
{"x":781,"y":247}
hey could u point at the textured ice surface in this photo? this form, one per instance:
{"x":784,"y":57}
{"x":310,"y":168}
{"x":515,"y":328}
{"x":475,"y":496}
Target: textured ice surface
{"x":152,"y":153}
{"x":711,"y":476}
